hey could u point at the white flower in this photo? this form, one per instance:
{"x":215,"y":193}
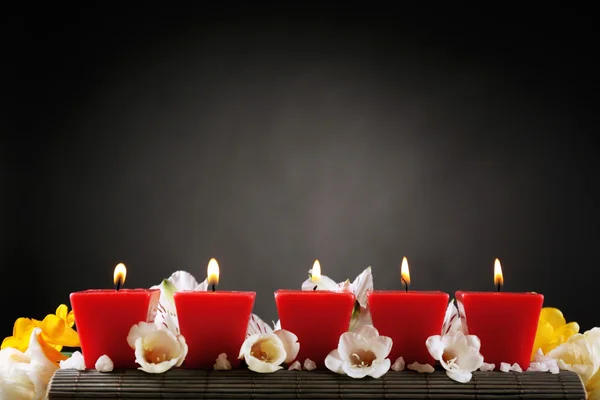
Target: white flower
{"x":264,"y":353}
{"x":76,"y":361}
{"x":309,"y":364}
{"x":257,"y":326}
{"x":542,"y":363}
{"x":452,"y":321}
{"x":506,"y":367}
{"x":295,"y":366}
{"x":421,"y":368}
{"x":458,"y":353}
{"x":361,"y":353}
{"x":166,"y":314}
{"x":25,"y":375}
{"x":580,"y":354}
{"x":104,"y":364}
{"x":487,"y":367}
{"x":277,"y":325}
{"x":399,"y":364}
{"x":156,"y":349}
{"x":222,"y":363}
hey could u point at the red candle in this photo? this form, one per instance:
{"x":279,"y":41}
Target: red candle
{"x":317,"y":317}
{"x":409,"y":318}
{"x":505,"y":323}
{"x":104,"y":318}
{"x":213,"y":322}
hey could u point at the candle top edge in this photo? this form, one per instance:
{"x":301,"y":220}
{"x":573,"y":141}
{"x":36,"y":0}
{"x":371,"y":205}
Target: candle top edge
{"x":225,"y":292}
{"x":136,"y":290}
{"x":424,"y":292}
{"x":312,"y":291}
{"x":459,"y":292}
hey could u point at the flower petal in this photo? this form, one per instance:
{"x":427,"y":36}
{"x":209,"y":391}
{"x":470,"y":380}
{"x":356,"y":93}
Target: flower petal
{"x":290,"y":344}
{"x":399,"y":364}
{"x":361,"y":284}
{"x":139,"y":330}
{"x":473,"y":342}
{"x":381,"y":346}
{"x":553,"y":316}
{"x":360,"y":318}
{"x":247,"y":345}
{"x":325,"y":283}
{"x":349,"y":341}
{"x":367,"y":332}
{"x":257,"y":325}
{"x":183,"y":280}
{"x":354,"y":371}
{"x":40,"y":368}
{"x":334,"y":362}
{"x":435,"y":346}
{"x":254,"y":364}
{"x":459,"y":375}
{"x":56,"y":331}
{"x":104,"y":364}
{"x":469,"y":360}
{"x":379,"y":368}
{"x":309,"y":365}
{"x":149,"y":367}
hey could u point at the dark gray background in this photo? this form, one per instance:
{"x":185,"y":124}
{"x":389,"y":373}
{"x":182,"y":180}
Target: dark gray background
{"x":162,"y":138}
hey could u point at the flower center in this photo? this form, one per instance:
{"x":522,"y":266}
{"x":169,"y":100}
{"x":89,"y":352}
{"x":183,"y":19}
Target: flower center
{"x":157,"y":355}
{"x":264,"y":350}
{"x":449,"y":356}
{"x":363,"y":358}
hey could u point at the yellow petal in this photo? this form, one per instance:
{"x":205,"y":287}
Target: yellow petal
{"x":573,"y":326}
{"x":71,"y":319}
{"x":19,"y":343}
{"x":56,"y":331}
{"x":543,"y":336}
{"x":593,"y":386}
{"x":51,"y":353}
{"x":553,"y":316}
{"x":24,"y":326}
{"x":62,"y":311}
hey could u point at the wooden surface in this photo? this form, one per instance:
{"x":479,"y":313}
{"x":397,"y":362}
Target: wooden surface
{"x":320,"y":384}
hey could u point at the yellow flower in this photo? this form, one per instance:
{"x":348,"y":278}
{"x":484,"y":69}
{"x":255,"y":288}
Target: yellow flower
{"x":57,"y":331}
{"x":552,"y":330}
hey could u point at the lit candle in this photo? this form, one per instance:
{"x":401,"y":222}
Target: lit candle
{"x":505,"y":323}
{"x":318,"y":317}
{"x":408,"y":317}
{"x":213,"y":322}
{"x":104,"y":317}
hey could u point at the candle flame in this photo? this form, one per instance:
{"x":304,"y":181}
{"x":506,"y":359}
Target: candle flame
{"x":315,"y":275}
{"x":498,"y":278}
{"x":213,"y":272}
{"x":120,"y":274}
{"x":404,"y":272}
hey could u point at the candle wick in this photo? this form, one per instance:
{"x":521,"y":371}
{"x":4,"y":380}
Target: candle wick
{"x":405,"y":285}
{"x":118,"y":286}
{"x":315,"y":288}
{"x":499,"y":285}
{"x":213,"y":287}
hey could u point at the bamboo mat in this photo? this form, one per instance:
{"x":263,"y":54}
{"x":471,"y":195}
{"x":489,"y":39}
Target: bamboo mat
{"x":318,"y":384}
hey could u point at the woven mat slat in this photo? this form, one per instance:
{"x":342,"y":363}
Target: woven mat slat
{"x":320,"y":384}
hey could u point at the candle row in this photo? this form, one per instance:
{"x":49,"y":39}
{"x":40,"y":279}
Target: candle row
{"x":215,"y":322}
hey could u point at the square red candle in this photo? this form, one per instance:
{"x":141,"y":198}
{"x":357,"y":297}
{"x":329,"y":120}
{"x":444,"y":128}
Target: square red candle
{"x":317,"y":317}
{"x":506,"y":323}
{"x":213,"y":323}
{"x":104,"y":318}
{"x":409,"y":318}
